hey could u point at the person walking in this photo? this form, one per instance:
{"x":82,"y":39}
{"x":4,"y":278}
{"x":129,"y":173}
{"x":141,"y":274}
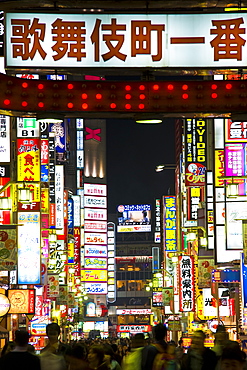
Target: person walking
{"x":154,"y":354}
{"x":20,"y":358}
{"x":199,"y":357}
{"x":133,"y":360}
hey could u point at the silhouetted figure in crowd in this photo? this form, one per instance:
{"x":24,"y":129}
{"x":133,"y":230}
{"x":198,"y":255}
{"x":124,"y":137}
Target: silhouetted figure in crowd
{"x":199,"y":357}
{"x":232,"y":357}
{"x":133,"y":360}
{"x":159,"y":347}
{"x":78,"y":357}
{"x":96,"y":357}
{"x":20,"y":358}
{"x":54,"y":356}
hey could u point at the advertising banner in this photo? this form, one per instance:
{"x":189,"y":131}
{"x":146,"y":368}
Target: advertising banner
{"x":95,"y":238}
{"x":99,"y":226}
{"x":5,"y":139}
{"x":29,"y":242}
{"x":235,"y":131}
{"x":95,"y":251}
{"x":96,"y":288}
{"x":195,"y":152}
{"x":95,"y":263}
{"x":205,"y":268}
{"x":134,"y":218}
{"x":219,"y":168}
{"x":22,"y":301}
{"x":97,"y":202}
{"x":187,"y":284}
{"x":38,"y":325}
{"x":126,"y":40}
{"x":170,"y":223}
{"x":95,"y":214}
{"x":53,"y":286}
{"x":28,"y":160}
{"x":95,"y":189}
{"x":194,"y":197}
{"x":94,"y":275}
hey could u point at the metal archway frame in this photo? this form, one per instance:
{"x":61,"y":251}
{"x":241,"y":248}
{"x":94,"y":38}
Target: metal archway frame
{"x":106,"y":98}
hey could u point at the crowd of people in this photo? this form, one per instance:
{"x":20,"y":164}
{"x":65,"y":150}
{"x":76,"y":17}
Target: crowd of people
{"x":136,"y":353}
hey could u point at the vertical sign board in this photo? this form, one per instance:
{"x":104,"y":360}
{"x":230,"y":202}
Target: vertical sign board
{"x":195,"y":152}
{"x":111,"y":243}
{"x":59,"y":189}
{"x":77,"y":251}
{"x":57,"y":128}
{"x":187,"y":284}
{"x":170,"y":223}
{"x":28,"y":159}
{"x":194,"y":197}
{"x":29,"y":264}
{"x":157,"y":237}
{"x":243,"y":276}
{"x":96,"y":237}
{"x":52,"y":199}
{"x":4,"y":139}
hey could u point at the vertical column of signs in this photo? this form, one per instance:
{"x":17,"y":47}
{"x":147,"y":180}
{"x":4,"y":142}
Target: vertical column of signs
{"x":95,"y":225}
{"x":8,"y":255}
{"x":79,"y":225}
{"x":111,"y":243}
{"x":28,"y":175}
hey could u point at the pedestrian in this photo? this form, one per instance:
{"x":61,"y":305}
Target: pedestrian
{"x":158,"y":347}
{"x":232,"y":358}
{"x":55,"y":355}
{"x":78,"y":357}
{"x":117,"y":355}
{"x":96,"y":358}
{"x":133,"y":360}
{"x":199,"y":357}
{"x":19,"y":358}
{"x":110,"y":358}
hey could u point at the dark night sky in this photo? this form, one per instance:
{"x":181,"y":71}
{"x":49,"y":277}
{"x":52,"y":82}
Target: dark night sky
{"x":133,"y":152}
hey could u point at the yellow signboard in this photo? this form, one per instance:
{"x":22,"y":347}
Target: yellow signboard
{"x":94,"y":275}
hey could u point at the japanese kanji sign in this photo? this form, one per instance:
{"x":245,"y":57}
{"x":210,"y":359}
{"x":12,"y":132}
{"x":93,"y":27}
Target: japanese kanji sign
{"x":170,"y":223}
{"x":187,"y":284}
{"x":84,"y":40}
{"x":195,"y":152}
{"x":28,"y":157}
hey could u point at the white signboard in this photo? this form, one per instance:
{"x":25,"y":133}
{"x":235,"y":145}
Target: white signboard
{"x":95,"y":238}
{"x":209,"y":304}
{"x":100,"y":226}
{"x":95,"y":251}
{"x":96,"y":288}
{"x":97,"y":202}
{"x":126,"y":40}
{"x":141,"y":311}
{"x":95,"y":214}
{"x":27,"y":127}
{"x":77,"y":210}
{"x":95,"y":189}
{"x":4,"y":139}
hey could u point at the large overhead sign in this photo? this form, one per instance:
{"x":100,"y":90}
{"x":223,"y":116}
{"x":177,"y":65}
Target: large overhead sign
{"x":107,"y":40}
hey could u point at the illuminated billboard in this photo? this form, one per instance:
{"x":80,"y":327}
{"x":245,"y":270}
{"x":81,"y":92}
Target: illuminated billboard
{"x":22,"y":300}
{"x":134,"y":218}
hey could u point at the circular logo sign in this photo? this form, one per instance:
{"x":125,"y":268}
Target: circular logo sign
{"x":4,"y":305}
{"x":120,"y":209}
